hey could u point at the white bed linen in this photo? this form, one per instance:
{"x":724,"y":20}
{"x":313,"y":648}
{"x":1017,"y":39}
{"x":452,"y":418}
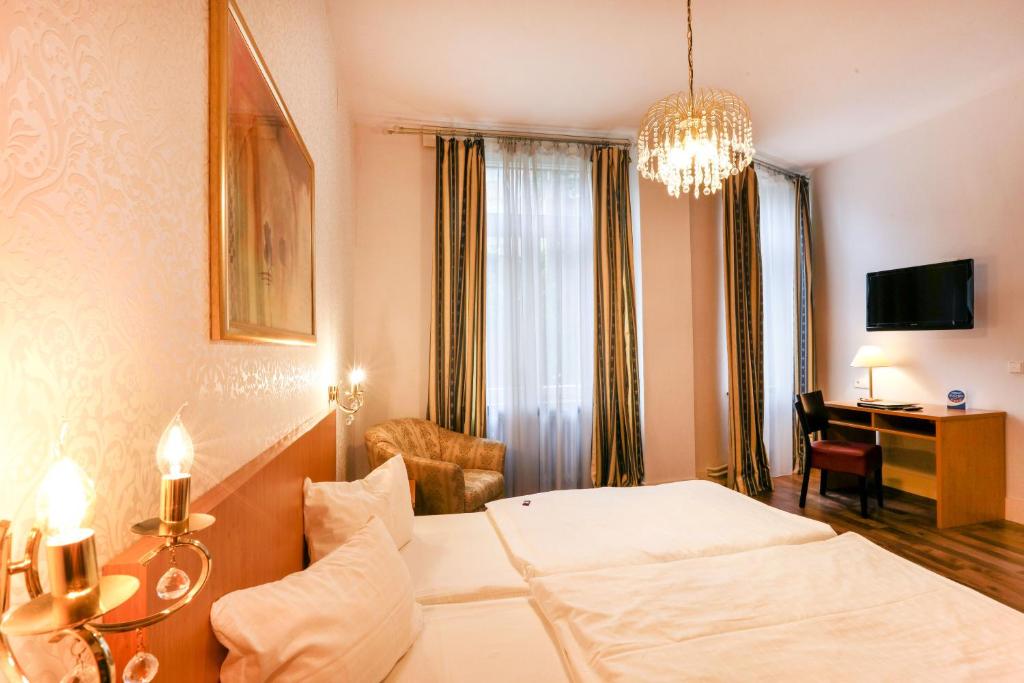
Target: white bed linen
{"x":575,"y":530}
{"x":837,"y":610}
{"x":455,"y":558}
{"x":498,"y":641}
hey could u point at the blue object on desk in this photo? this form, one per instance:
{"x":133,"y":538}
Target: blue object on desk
{"x":956,"y":399}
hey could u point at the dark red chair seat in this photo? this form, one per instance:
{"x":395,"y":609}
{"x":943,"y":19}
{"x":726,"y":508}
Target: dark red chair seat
{"x":852,"y":457}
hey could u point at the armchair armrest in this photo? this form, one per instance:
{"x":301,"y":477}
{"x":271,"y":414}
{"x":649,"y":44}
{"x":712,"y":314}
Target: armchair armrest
{"x":473,"y":452}
{"x":440,"y":485}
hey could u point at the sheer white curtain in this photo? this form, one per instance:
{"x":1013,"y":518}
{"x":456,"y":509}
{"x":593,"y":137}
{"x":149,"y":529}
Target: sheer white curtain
{"x":777,"y":197}
{"x":540,"y":312}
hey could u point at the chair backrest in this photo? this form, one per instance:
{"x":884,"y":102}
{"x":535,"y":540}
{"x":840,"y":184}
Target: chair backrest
{"x":408,"y":436}
{"x":812,"y":415}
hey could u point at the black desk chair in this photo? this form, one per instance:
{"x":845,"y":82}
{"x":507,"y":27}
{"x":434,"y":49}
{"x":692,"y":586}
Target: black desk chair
{"x":851,"y":457}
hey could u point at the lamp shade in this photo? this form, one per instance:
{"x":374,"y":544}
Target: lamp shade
{"x":870,"y":357}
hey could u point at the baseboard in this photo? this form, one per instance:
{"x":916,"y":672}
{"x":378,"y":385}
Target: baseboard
{"x":1015,"y":510}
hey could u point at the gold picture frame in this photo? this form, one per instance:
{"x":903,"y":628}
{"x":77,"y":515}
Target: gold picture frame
{"x":262,"y":197}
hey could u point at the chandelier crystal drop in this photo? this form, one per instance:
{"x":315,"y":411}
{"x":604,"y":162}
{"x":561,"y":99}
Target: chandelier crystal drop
{"x":691,"y":141}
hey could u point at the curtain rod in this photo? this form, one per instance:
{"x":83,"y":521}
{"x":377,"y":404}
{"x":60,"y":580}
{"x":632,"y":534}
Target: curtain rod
{"x":508,"y":135}
{"x":779,"y":169}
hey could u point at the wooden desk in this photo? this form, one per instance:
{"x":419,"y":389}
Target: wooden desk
{"x":970,"y":453}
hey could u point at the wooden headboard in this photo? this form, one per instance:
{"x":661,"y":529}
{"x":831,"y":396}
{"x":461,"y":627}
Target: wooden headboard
{"x":257,"y":538}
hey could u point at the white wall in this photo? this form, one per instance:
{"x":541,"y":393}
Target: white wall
{"x":947,"y":189}
{"x":669,"y":444}
{"x":710,"y":362}
{"x":393,"y":252}
{"x":685,"y":372}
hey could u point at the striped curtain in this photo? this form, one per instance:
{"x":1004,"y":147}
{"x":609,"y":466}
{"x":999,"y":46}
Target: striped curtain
{"x":458,"y":349}
{"x":805,"y":372}
{"x":744,"y":324}
{"x":617,"y":447}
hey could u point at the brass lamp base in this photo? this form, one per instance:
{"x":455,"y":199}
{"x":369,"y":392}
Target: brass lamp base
{"x":871,"y":388}
{"x":154,"y":526}
{"x":48,"y":612}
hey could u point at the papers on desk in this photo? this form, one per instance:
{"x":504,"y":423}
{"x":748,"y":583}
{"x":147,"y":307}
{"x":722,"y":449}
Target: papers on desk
{"x":884,"y":405}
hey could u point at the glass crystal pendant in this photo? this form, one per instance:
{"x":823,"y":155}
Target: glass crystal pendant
{"x":173,"y":584}
{"x":141,"y":668}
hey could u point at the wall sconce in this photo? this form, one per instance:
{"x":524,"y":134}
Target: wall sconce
{"x":78,"y":594}
{"x":352,"y":400}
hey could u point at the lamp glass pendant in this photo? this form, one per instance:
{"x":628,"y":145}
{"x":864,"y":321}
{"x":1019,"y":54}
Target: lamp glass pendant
{"x":693,"y":141}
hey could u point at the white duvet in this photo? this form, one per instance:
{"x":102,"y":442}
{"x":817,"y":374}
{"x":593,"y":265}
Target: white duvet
{"x":457,"y":558}
{"x":564,"y":531}
{"x":837,"y":610}
{"x":490,"y":641}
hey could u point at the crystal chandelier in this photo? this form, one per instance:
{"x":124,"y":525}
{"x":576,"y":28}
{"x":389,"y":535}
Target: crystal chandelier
{"x":696,"y":141}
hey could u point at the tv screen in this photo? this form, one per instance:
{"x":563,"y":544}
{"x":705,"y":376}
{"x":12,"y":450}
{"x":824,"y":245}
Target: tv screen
{"x":939,"y":296}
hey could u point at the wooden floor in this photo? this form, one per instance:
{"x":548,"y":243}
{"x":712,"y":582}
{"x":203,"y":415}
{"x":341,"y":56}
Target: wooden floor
{"x":988,"y":557}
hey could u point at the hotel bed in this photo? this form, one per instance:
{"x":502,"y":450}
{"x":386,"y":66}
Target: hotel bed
{"x":671,"y":582}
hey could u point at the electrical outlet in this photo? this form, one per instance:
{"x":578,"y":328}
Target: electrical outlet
{"x":860,"y":383}
{"x":1015,"y":367}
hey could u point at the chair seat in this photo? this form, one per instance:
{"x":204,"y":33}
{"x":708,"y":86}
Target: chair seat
{"x":482,"y":486}
{"x":846,"y":456}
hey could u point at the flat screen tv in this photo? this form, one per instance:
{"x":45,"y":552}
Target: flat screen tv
{"x":939,"y":296}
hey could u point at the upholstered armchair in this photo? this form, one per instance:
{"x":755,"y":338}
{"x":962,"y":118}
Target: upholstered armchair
{"x":453,"y":472}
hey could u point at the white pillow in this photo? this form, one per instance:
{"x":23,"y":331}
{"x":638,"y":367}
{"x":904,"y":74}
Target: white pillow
{"x":347,"y":618}
{"x":335,"y":510}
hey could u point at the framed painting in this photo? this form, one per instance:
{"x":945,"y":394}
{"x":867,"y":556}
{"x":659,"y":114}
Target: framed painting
{"x":262,"y":279}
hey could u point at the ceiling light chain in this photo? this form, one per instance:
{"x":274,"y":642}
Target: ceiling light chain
{"x":695,"y":142}
{"x":689,"y":42}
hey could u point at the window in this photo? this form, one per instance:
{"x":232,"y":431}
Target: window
{"x":540,"y":312}
{"x":777,"y":197}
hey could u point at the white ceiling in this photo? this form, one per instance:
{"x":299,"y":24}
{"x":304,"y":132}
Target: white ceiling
{"x":822,"y":78}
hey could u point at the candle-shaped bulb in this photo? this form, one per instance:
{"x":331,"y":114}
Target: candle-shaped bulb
{"x":356,"y":377}
{"x":175,"y":453}
{"x":64,"y":503}
{"x":174,"y":456}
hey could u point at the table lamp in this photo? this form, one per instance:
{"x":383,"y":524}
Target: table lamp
{"x":870,"y":357}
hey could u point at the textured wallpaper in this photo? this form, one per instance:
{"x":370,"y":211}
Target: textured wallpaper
{"x":104,"y":299}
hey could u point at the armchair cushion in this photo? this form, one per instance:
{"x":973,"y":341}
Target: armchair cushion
{"x":482,"y":486}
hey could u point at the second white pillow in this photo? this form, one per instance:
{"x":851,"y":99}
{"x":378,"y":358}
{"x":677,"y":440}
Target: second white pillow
{"x":335,"y":510}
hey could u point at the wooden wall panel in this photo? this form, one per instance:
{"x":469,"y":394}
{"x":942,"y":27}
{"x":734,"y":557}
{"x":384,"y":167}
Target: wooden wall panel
{"x":257,"y":538}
